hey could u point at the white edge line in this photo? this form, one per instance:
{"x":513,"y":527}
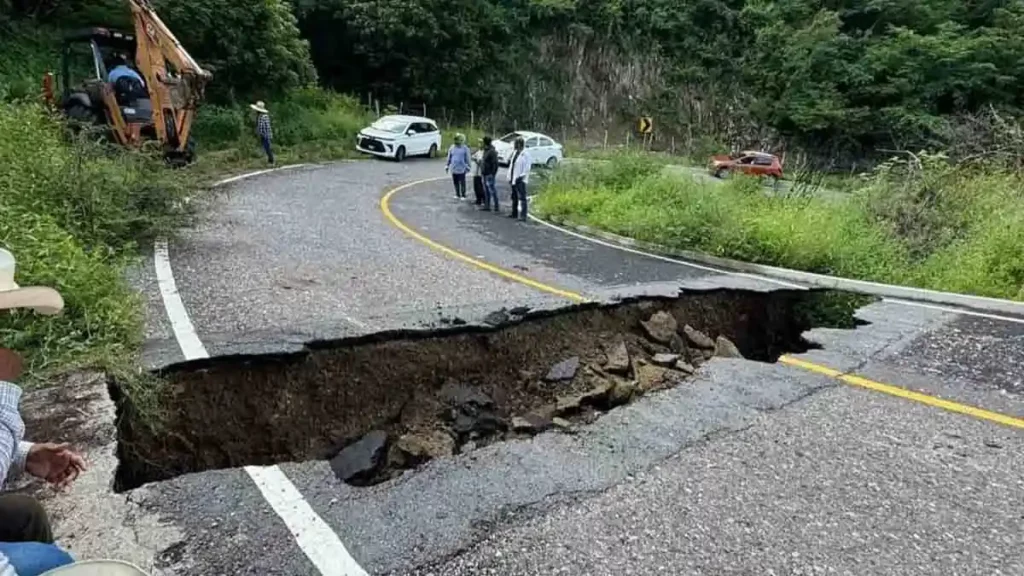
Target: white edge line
{"x":257,"y":173}
{"x":955,"y":310}
{"x":313,"y":535}
{"x":321,"y":545}
{"x":184,"y":332}
{"x":899,"y":301}
{"x":663,"y":258}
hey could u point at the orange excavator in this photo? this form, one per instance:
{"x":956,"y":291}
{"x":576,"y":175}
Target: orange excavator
{"x":154,"y":100}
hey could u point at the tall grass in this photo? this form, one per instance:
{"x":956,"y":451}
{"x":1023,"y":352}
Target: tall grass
{"x":308,"y":124}
{"x":926,"y":223}
{"x":72,"y":212}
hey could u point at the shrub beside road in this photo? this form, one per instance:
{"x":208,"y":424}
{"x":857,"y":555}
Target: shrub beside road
{"x":919,"y":221}
{"x":75,"y":212}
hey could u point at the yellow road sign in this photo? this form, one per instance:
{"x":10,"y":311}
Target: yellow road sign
{"x":646,"y":125}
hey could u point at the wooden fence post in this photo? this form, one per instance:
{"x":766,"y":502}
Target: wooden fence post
{"x":606,"y":139}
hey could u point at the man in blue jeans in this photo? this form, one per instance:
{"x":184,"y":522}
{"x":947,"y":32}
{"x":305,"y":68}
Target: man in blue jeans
{"x":26,"y":540}
{"x":459,"y":164}
{"x":489,"y":171}
{"x":263,"y":129}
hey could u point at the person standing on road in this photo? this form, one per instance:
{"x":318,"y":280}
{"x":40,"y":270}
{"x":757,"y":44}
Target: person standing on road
{"x":263,"y":129}
{"x":490,"y":173}
{"x":518,"y":177}
{"x":459,"y":164}
{"x":478,"y":179}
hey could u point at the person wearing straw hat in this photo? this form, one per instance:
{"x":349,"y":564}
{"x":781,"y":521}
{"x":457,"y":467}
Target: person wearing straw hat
{"x":263,"y":129}
{"x":26,"y":539}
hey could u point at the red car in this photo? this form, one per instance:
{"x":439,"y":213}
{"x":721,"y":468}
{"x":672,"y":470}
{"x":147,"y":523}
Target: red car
{"x":752,"y":163}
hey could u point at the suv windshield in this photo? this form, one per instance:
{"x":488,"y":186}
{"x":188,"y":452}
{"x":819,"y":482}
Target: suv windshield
{"x":388,"y":125}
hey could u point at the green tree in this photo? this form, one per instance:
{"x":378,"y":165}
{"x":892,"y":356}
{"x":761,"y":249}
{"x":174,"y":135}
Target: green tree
{"x":252,"y":47}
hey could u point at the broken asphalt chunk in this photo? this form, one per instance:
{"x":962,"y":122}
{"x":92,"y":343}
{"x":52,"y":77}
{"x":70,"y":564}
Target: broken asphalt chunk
{"x":698,"y":338}
{"x":665,"y":360}
{"x":530,"y":423}
{"x":660,"y":327}
{"x":618,"y":359}
{"x":415,"y":449}
{"x":724,"y":348}
{"x":564,"y":370}
{"x":358,"y":461}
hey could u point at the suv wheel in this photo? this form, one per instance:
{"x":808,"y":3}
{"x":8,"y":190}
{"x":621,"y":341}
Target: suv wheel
{"x":432,"y":153}
{"x":400,"y":154}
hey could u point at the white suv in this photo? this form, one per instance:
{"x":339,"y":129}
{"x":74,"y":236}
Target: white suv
{"x":399,"y":137}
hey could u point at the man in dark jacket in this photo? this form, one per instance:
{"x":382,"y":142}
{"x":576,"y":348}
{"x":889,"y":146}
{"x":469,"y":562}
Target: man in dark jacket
{"x":490,"y":172}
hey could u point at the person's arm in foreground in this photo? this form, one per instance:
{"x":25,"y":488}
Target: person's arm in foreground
{"x":55,"y":463}
{"x":11,"y":430}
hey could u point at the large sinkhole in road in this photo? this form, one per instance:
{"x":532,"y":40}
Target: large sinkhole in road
{"x":378,"y":404}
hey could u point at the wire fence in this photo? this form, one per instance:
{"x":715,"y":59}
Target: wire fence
{"x":618,"y":134}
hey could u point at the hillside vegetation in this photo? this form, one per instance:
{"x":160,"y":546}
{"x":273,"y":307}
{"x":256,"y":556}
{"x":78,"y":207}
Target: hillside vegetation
{"x":841,"y":78}
{"x":914,"y":221}
{"x":835,"y":84}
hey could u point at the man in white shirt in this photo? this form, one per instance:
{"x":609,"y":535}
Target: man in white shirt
{"x":518,"y":178}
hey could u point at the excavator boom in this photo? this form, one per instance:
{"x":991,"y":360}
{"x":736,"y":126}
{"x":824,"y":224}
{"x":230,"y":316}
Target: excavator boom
{"x":160,"y":105}
{"x":176,"y":82}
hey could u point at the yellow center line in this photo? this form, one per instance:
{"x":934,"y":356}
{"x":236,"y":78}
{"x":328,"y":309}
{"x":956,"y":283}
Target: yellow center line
{"x":385,"y":207}
{"x":899,"y":392}
{"x":850,"y":379}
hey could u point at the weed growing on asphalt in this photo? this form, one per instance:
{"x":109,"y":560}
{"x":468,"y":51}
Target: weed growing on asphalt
{"x":928,"y":224}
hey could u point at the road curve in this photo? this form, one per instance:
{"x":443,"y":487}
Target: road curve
{"x":753,"y":468}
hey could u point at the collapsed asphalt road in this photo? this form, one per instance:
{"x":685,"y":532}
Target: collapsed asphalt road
{"x":743,"y":467}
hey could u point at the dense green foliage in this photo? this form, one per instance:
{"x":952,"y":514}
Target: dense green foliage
{"x":72,"y":214}
{"x":845,"y":76}
{"x":917,"y":222}
{"x":850,"y":73}
{"x":252,"y":47}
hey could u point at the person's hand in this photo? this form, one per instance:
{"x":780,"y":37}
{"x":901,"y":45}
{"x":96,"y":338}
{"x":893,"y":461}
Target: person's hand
{"x":55,"y":463}
{"x":10,"y":365}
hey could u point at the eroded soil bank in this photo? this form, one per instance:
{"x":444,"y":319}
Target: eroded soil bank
{"x":377,"y":404}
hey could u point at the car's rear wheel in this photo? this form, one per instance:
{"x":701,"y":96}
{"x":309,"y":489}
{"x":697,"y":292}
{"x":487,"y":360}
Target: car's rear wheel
{"x":552,"y":162}
{"x":400,"y":154}
{"x":432,"y":153}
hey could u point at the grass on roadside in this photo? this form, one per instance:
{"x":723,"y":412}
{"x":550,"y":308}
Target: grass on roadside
{"x":931,"y":225}
{"x":72,"y":214}
{"x":75,"y":211}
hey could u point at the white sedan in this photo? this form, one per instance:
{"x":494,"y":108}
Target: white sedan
{"x":400,"y":136}
{"x":543,"y":149}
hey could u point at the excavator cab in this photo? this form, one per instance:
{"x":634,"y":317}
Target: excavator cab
{"x":87,"y":57}
{"x":154,"y":98}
